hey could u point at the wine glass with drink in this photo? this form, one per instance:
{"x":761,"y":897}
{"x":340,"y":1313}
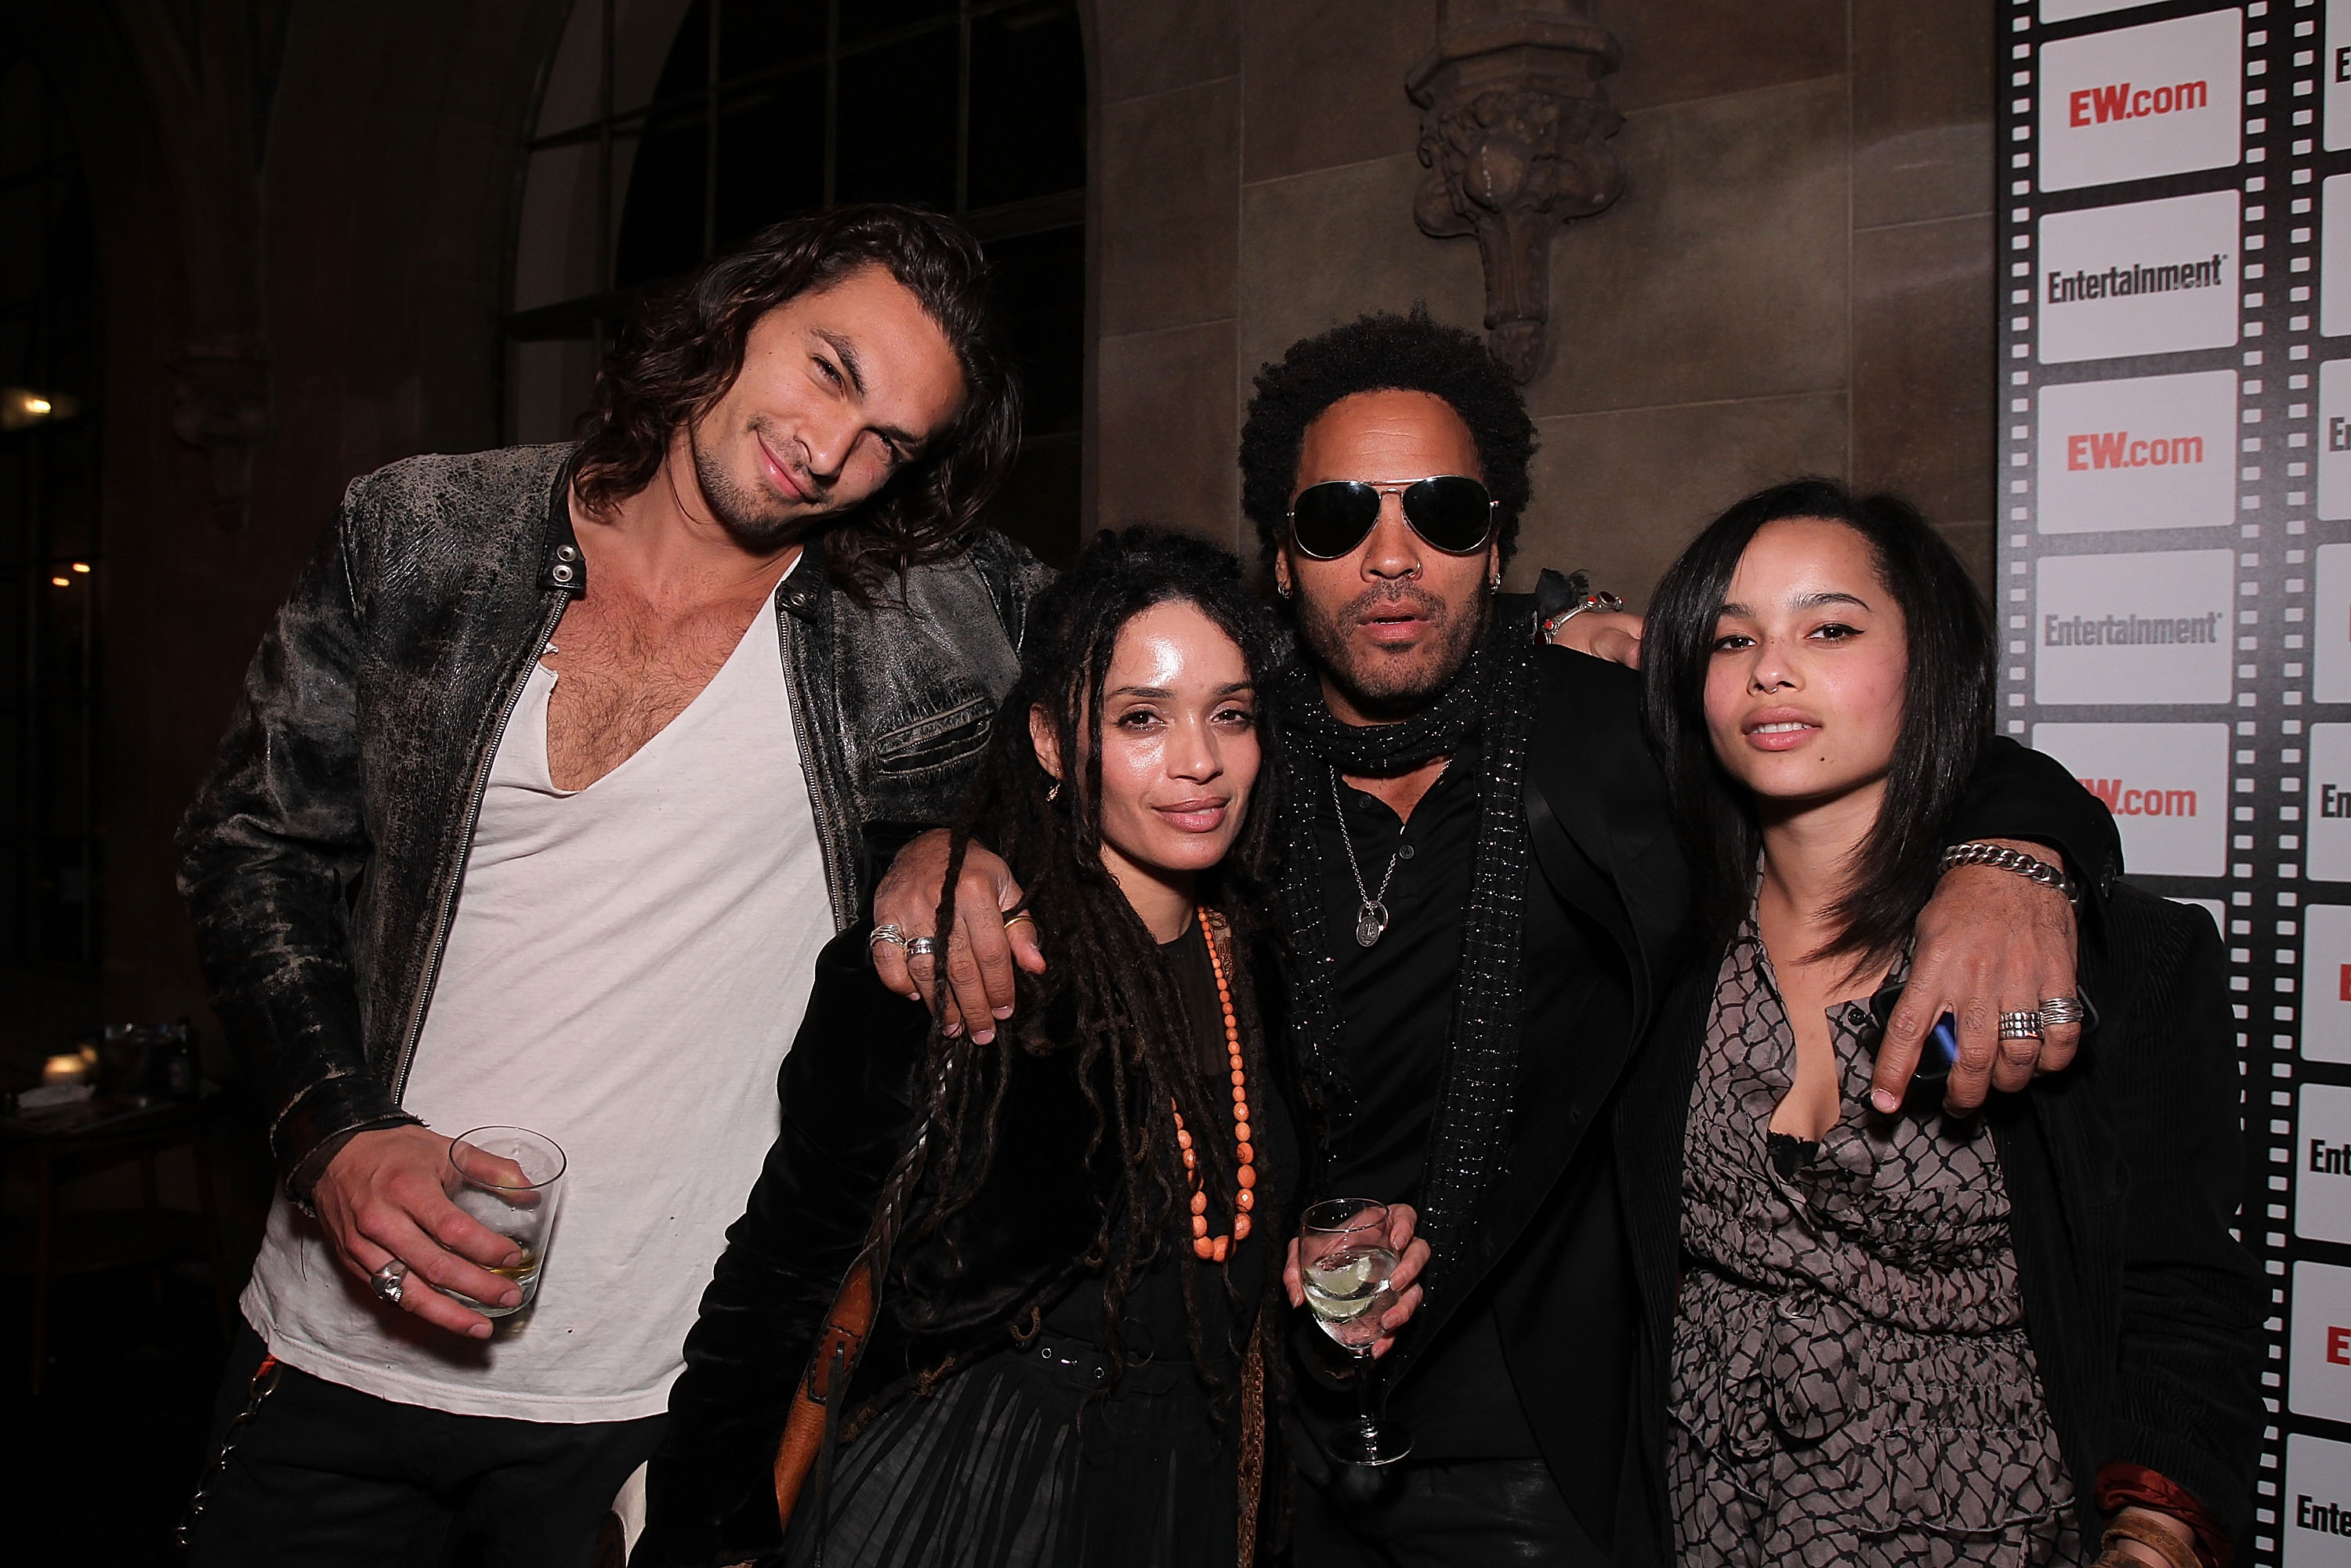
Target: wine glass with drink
{"x":1348,"y":1268}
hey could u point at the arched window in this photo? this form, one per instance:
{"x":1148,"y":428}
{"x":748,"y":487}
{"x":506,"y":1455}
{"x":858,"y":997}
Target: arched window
{"x":672,"y":131}
{"x":48,"y":530}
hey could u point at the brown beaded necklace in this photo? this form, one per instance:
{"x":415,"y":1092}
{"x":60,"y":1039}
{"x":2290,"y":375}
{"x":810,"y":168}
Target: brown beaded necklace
{"x":1206,"y":1246}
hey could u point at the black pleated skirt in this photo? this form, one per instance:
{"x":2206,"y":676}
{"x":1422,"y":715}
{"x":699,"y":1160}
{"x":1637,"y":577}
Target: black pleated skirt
{"x":1011,"y":1463}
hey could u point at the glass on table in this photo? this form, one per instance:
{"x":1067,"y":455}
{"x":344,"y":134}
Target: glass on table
{"x":1346,"y":1266}
{"x":511,"y":1180}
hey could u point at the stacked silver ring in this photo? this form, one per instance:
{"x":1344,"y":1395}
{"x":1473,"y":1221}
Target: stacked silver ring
{"x":2020,"y":1026}
{"x":894,"y":934}
{"x":2059,"y":1012}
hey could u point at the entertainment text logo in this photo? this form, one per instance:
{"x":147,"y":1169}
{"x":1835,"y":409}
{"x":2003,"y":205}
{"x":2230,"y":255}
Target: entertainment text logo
{"x":2318,"y":1480}
{"x":2124,"y":282}
{"x":2144,"y":628}
{"x":2129,"y":631}
{"x":2322,"y":1195}
{"x":2146,"y":278}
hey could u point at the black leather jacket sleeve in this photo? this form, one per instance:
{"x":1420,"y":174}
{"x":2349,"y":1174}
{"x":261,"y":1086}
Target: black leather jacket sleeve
{"x":847,"y":1093}
{"x":270,"y":851}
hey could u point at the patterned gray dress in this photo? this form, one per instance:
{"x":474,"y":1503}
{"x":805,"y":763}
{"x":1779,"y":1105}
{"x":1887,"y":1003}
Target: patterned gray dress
{"x":1851,"y":1378}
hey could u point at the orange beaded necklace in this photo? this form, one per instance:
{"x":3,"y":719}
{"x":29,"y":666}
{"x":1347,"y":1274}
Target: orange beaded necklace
{"x":1206,"y":1246}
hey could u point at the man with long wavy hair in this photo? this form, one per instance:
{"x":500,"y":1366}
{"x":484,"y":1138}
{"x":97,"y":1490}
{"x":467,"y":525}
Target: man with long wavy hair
{"x":549,"y":782}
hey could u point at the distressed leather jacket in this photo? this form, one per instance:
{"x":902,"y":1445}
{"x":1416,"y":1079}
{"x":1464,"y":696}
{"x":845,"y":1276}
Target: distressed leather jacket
{"x":321,"y":858}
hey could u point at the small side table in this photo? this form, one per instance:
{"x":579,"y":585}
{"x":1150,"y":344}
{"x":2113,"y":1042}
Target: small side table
{"x":68,"y":1140}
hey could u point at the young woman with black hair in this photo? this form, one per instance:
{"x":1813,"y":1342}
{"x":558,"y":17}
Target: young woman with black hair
{"x":1074,"y":1358}
{"x":2025,"y":1337}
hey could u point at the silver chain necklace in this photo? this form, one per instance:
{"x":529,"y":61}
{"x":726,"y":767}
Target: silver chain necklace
{"x":1371,"y":914}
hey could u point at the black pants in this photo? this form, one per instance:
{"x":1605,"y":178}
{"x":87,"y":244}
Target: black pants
{"x":323,"y":1475}
{"x":1470,"y":1514}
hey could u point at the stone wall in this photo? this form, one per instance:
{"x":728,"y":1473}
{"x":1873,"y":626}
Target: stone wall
{"x":1796,"y":279}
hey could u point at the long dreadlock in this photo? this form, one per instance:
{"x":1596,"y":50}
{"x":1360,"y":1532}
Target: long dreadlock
{"x":1108,"y":993}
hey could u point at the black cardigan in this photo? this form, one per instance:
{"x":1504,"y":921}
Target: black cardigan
{"x":850,"y":1101}
{"x":2143,"y":1311}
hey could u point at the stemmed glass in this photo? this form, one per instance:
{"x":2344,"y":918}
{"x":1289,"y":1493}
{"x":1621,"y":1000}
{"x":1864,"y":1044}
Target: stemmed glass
{"x":1346,"y":1263}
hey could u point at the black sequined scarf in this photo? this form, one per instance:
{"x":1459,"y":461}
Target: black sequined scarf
{"x":1491,"y":698}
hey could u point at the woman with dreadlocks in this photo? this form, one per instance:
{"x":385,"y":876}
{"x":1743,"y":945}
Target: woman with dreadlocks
{"x":1075,"y":1231}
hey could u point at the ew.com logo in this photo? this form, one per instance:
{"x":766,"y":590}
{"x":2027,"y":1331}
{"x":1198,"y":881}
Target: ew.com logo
{"x":2097,"y":105}
{"x":2124,"y":800}
{"x":2326,"y":1013}
{"x":2166,"y":785}
{"x":2330,"y":633}
{"x":2118,"y":449}
{"x":2318,"y":1377}
{"x":2141,"y":102}
{"x":2149,"y":452}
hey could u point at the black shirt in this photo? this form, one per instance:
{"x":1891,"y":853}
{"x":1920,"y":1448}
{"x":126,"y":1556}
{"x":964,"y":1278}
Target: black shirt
{"x":1396,"y":1006}
{"x":1228,"y":1295}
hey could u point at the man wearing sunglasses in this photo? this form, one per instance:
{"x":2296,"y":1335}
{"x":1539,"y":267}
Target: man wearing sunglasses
{"x":1484,"y":892}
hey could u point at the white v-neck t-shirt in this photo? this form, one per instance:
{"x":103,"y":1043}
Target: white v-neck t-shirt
{"x":627,"y":966}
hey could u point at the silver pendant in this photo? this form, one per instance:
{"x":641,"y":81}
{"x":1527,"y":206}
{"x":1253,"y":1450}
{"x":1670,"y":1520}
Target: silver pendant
{"x":1371,"y":923}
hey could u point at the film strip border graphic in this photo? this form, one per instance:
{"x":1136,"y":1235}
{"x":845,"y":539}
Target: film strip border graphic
{"x":2171,"y":602}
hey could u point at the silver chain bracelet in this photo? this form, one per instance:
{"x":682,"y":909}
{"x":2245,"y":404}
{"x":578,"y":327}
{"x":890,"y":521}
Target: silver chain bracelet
{"x":2017,"y":861}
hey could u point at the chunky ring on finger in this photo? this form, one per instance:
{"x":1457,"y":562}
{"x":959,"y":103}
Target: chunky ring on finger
{"x":2059,"y":1012}
{"x":390,"y":1280}
{"x":2020,"y":1026}
{"x":891,"y":933}
{"x":922,"y":946}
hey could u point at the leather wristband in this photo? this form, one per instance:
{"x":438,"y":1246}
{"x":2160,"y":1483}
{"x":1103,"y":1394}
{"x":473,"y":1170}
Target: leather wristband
{"x":2175,"y":1552}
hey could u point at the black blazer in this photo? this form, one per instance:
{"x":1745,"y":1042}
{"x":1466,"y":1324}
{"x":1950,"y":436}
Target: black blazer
{"x":2143,"y":1310}
{"x":1603,"y":836}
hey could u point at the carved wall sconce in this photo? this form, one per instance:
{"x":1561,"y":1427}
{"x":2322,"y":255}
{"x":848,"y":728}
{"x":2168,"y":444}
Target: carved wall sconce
{"x":1514,"y":132}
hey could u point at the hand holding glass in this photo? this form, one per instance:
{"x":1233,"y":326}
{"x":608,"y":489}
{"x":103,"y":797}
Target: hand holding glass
{"x":1348,"y":1268}
{"x":511,"y":1180}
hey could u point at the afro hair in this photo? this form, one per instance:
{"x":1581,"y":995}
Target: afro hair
{"x":1383,"y":352}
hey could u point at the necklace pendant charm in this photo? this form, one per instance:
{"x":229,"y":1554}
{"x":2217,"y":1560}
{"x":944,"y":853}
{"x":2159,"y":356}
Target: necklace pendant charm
{"x":1371,"y":923}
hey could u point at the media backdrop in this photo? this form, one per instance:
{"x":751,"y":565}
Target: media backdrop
{"x":2175,"y":572}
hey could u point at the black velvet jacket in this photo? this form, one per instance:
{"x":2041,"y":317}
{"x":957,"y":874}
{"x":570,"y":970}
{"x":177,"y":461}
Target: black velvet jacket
{"x":1605,"y":840}
{"x":852,"y":1091}
{"x":2122,"y":1172}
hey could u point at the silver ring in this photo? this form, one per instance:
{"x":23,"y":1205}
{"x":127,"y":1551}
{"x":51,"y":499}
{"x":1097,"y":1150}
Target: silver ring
{"x":2020,"y":1026}
{"x":2058,"y":1011}
{"x":922,"y":946}
{"x":390,"y":1280}
{"x":890,"y":932}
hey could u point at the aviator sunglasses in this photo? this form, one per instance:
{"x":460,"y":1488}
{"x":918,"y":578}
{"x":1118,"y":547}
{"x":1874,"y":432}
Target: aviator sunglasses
{"x":1450,"y":511}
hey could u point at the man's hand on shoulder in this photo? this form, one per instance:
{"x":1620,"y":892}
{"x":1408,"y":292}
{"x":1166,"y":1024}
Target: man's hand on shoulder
{"x":1990,"y":942}
{"x":983,"y":953}
{"x":1613,"y":635}
{"x":383,"y":1197}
